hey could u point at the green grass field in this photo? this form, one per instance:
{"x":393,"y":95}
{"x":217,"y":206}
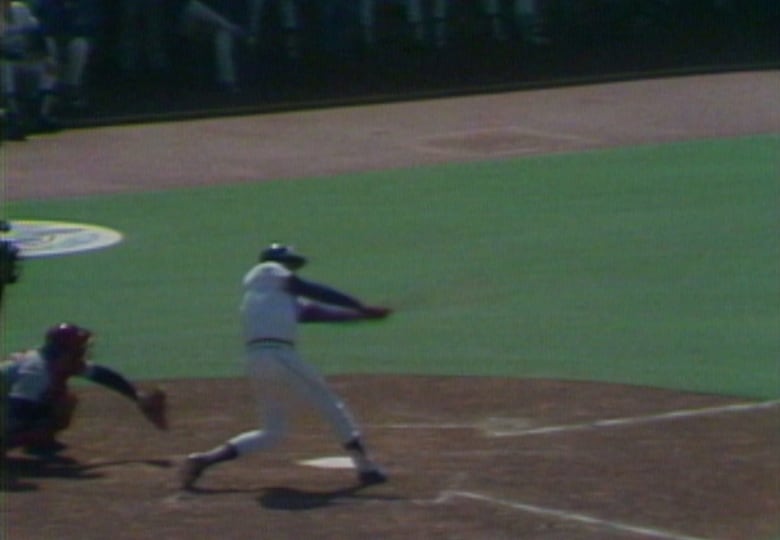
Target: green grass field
{"x":655,"y":265}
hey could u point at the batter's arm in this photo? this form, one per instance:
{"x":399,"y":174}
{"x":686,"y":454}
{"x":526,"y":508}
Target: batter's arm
{"x":322,"y":293}
{"x":331,"y":305}
{"x":309,"y":312}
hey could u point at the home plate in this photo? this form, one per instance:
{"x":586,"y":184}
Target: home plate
{"x":331,"y":462}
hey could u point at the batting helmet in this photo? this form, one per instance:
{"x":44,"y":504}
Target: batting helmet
{"x":66,"y":337}
{"x":282,"y":254}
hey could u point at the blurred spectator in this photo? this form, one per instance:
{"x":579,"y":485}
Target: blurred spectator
{"x":337,"y":21}
{"x":290,"y":19}
{"x":197,"y":20}
{"x":69,"y":27}
{"x":368,"y":18}
{"x":142,"y":35}
{"x":27,"y":72}
{"x":526,"y":15}
{"x":528,"y":20}
{"x":149,"y":27}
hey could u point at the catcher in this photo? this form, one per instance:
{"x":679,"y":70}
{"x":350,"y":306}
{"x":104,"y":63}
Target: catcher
{"x":36,"y":401}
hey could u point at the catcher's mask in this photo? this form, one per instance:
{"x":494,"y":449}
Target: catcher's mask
{"x":67,"y":338}
{"x":283,"y":254}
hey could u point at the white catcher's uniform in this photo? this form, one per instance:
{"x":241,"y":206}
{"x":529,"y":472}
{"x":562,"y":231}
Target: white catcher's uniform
{"x":270,"y":315}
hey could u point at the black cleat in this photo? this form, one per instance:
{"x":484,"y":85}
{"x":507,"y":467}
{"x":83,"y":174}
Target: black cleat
{"x":372,"y":477}
{"x":190,"y":470}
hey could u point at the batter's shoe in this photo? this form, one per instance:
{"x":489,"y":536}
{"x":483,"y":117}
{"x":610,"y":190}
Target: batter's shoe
{"x":372,"y":477}
{"x":191,"y":469}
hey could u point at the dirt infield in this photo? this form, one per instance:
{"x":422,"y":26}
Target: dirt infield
{"x":354,"y":139}
{"x":469,"y":458}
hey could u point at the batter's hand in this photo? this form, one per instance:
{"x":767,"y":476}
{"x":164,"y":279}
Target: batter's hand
{"x":375,"y":312}
{"x":153,"y":405}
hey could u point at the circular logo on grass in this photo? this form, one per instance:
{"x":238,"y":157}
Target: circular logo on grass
{"x":51,"y":238}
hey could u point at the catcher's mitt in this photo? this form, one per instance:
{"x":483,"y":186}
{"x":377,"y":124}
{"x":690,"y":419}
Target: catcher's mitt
{"x":153,"y":405}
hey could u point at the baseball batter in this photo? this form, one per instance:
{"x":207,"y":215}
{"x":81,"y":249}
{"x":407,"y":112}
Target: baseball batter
{"x":275,"y":300}
{"x":36,"y":401}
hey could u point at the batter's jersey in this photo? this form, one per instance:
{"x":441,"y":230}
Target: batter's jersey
{"x":268,"y":309}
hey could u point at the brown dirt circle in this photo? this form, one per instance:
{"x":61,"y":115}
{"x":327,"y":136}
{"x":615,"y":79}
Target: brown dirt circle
{"x":469,"y":458}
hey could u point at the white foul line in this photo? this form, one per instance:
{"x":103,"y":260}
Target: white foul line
{"x":431,"y":425}
{"x":612,"y":422}
{"x":634,"y":420}
{"x":446,"y":496}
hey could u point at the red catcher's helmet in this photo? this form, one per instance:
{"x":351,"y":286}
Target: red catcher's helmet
{"x":66,"y":337}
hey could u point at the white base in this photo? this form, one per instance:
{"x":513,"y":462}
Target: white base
{"x":329,"y":462}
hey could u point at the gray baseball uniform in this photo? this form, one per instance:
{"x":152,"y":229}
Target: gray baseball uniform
{"x":275,"y":300}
